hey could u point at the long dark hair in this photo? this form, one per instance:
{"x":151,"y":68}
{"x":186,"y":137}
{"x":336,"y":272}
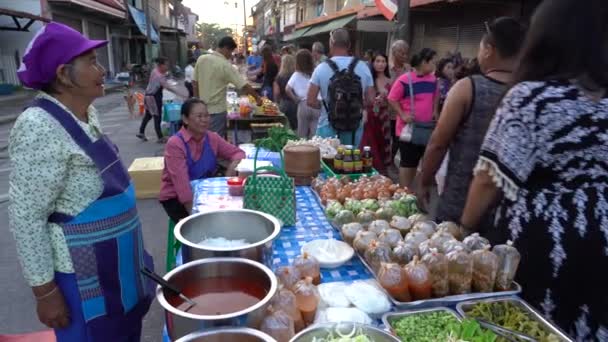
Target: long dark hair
{"x":267,"y":56}
{"x":304,"y":62}
{"x":373,"y":70}
{"x":424,"y":55}
{"x":579,"y":50}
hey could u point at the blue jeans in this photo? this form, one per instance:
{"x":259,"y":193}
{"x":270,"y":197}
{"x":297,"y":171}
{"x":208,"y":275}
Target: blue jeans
{"x":346,"y":138}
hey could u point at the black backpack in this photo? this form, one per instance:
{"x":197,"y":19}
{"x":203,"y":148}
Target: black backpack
{"x":345,"y":104}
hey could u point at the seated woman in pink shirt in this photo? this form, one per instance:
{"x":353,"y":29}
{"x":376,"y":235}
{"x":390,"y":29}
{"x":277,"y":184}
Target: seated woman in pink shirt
{"x":192,"y":154}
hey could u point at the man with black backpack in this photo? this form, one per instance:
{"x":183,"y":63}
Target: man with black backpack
{"x":345,"y":84}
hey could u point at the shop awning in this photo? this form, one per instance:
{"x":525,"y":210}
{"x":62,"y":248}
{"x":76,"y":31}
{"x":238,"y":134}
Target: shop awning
{"x":16,"y":16}
{"x":296,"y":34}
{"x":330,"y":26}
{"x":139,"y":17}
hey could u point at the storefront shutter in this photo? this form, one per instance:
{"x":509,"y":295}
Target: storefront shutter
{"x":469,"y":38}
{"x":441,"y":39}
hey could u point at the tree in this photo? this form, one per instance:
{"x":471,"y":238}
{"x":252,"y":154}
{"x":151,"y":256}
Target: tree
{"x":210,"y":34}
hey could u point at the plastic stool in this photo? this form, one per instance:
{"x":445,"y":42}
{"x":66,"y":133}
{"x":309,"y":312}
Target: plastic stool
{"x":172,"y":246}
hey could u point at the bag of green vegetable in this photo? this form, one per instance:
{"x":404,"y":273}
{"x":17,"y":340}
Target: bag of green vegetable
{"x":376,"y":254}
{"x":508,"y":261}
{"x":308,"y":267}
{"x":370,"y":204}
{"x":333,"y":208}
{"x":400,"y":208}
{"x":362,"y":241}
{"x":385,"y":213}
{"x":475,"y":242}
{"x":350,"y":230}
{"x":403,"y":253}
{"x":278,"y":324}
{"x":460,"y":271}
{"x":402,"y":224}
{"x":410,"y":203}
{"x":437,"y":263}
{"x":365,"y":217}
{"x":277,"y":139}
{"x":285,"y":300}
{"x":344,"y":217}
{"x":390,"y":237}
{"x":392,"y":278}
{"x":418,"y":279}
{"x":378,"y":226}
{"x":288,"y":276}
{"x":485,"y":266}
{"x":353,"y":205}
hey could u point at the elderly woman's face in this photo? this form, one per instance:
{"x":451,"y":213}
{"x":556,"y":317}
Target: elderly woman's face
{"x":86,"y":76}
{"x":199,"y":119}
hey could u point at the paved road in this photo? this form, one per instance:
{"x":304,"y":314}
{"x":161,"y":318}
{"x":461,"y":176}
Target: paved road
{"x":16,"y":304}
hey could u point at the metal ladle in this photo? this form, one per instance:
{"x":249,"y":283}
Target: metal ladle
{"x":166,"y":286}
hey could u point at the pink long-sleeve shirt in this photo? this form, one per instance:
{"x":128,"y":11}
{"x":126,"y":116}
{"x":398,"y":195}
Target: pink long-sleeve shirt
{"x":175,"y":182}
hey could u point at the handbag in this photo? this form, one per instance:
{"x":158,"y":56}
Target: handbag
{"x":417,"y":133}
{"x":273,"y":194}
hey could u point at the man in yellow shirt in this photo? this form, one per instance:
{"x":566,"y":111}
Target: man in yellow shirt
{"x":212,"y":74}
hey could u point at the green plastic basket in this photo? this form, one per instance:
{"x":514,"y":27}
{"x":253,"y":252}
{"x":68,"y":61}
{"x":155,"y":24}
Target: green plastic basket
{"x":354,"y":176}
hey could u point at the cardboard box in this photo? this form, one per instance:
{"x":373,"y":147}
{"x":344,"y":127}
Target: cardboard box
{"x":146,"y":174}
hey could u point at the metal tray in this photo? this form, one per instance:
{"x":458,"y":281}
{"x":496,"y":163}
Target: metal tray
{"x":443,"y":301}
{"x":463,"y":307}
{"x":389,"y":317}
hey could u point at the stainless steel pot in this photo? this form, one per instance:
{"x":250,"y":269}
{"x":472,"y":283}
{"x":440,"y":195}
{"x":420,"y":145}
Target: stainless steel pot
{"x":321,"y":331}
{"x":228,"y":334}
{"x":181,"y":323}
{"x":258,"y":229}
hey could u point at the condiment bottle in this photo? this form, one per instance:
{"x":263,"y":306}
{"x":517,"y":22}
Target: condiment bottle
{"x":367,"y":159}
{"x":338,"y":160}
{"x":308,"y":267}
{"x":358,"y":163}
{"x":307,"y":299}
{"x":348,"y":164}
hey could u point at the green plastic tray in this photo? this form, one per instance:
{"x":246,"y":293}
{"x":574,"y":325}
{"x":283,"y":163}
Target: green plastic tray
{"x":354,"y":176}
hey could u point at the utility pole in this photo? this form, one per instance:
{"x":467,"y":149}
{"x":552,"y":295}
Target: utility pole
{"x":148,"y":32}
{"x":403,"y":20}
{"x":245,"y":28}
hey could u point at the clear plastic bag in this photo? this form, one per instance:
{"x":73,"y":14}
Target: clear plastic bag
{"x":378,"y":226}
{"x":376,"y":254}
{"x":362,"y":240}
{"x":392,"y":278}
{"x":426,"y":227}
{"x":365,"y":217}
{"x":285,"y":300}
{"x":460,"y":271}
{"x":417,"y":217}
{"x":350,"y":230}
{"x":451,"y":245}
{"x":390,"y":237}
{"x":475,"y":242}
{"x":307,"y":299}
{"x":485,"y":266}
{"x":508,"y":261}
{"x":425,"y":247}
{"x":415,"y":238}
{"x":402,"y":224}
{"x":278,"y":324}
{"x":403,"y":253}
{"x":441,"y":237}
{"x":418,"y":279}
{"x":288,"y":276}
{"x":308,"y":267}
{"x":437,"y":263}
{"x":451,"y":228}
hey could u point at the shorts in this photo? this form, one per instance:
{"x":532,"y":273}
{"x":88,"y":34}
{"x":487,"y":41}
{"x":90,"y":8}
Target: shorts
{"x":410,"y":154}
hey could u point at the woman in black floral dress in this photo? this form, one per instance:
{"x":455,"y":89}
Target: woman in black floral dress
{"x":545,"y":160}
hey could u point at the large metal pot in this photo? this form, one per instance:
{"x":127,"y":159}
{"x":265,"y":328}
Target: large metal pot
{"x":181,"y":323}
{"x":228,"y":334}
{"x":321,"y":331}
{"x":257,"y":228}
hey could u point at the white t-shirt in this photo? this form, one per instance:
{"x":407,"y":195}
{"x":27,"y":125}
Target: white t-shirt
{"x":299,"y":83}
{"x":189,"y":73}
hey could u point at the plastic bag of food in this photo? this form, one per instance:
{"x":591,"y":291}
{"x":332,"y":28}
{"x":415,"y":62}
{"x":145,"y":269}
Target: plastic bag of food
{"x":385,"y":213}
{"x":425,"y":247}
{"x":437,"y":263}
{"x":452,"y":228}
{"x":368,"y":298}
{"x":508,"y":261}
{"x":365,"y":217}
{"x":339,"y":315}
{"x":475,"y":242}
{"x":333,"y":208}
{"x":350,"y":230}
{"x":285,"y":300}
{"x":451,"y":245}
{"x":278,"y":324}
{"x":403,"y":253}
{"x":362,"y":240}
{"x":308,"y":267}
{"x":415,"y":238}
{"x":390,"y":237}
{"x":460,"y":271}
{"x":392,"y":278}
{"x":485,"y":266}
{"x":402,"y":224}
{"x":441,"y":237}
{"x":307,"y":299}
{"x":426,"y":227}
{"x":418,"y":217}
{"x":378,"y":226}
{"x":376,"y":254}
{"x":344,"y":217}
{"x":317,"y":184}
{"x":418,"y":279}
{"x":288,"y":276}
{"x":332,"y":294}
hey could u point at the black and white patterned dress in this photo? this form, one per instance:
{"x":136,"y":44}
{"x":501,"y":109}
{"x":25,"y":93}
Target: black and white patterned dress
{"x":547,"y":150}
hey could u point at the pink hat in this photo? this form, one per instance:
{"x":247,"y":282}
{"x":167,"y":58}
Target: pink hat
{"x":53,"y":45}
